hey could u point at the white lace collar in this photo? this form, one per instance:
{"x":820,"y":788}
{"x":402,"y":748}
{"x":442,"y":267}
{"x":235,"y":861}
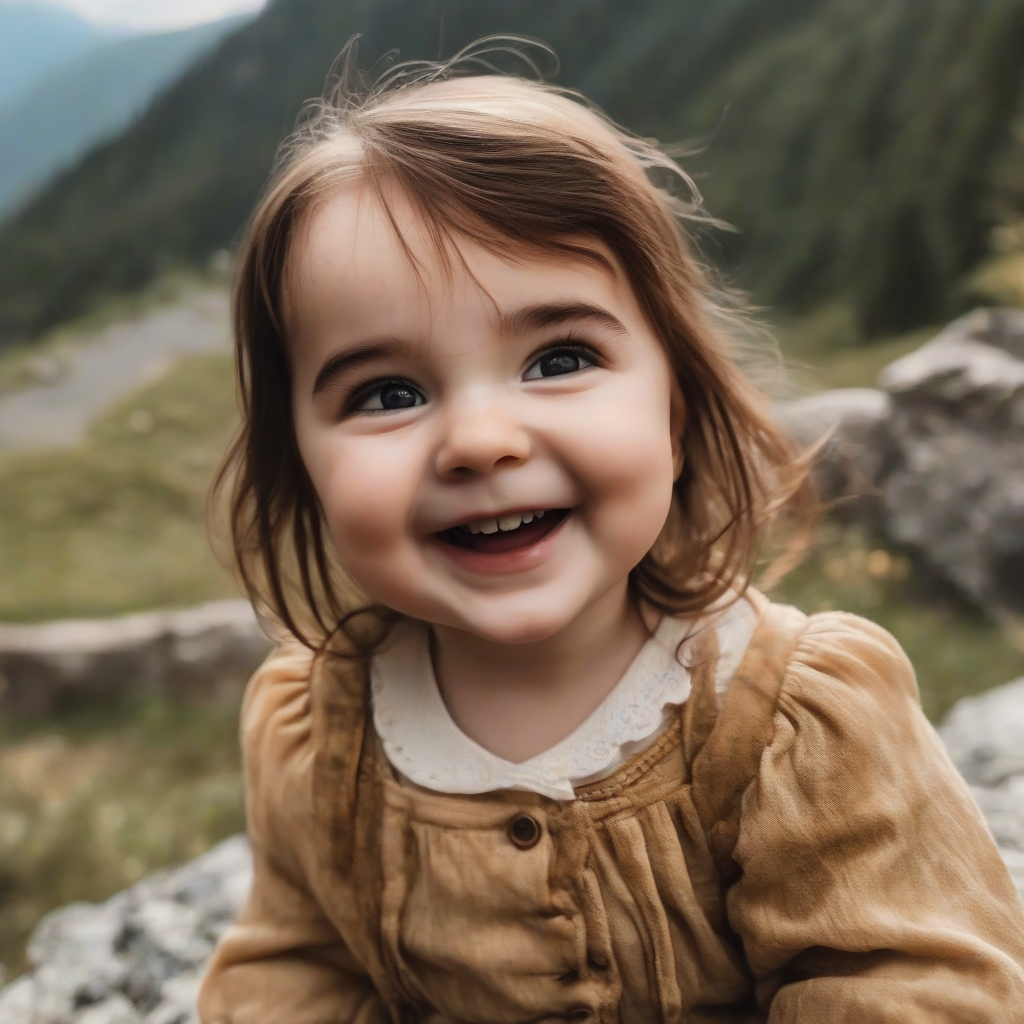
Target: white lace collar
{"x":425,"y":745}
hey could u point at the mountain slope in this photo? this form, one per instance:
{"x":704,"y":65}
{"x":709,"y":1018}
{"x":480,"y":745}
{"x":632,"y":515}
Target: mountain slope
{"x":876,"y":175}
{"x":37,"y":38}
{"x":856,"y":157}
{"x":90,"y":98}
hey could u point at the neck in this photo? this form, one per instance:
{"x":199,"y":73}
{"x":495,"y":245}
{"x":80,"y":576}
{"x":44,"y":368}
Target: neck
{"x":517,"y":700}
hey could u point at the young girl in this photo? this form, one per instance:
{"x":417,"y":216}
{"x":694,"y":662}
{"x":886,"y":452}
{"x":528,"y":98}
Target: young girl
{"x":565,"y":764}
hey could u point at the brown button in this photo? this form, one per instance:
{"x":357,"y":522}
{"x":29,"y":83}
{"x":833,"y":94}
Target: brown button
{"x":524,"y":831}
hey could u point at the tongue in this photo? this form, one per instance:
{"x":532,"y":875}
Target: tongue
{"x":505,"y":540}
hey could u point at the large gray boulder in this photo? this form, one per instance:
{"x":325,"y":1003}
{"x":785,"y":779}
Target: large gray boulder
{"x":849,"y":427}
{"x":985,"y":738}
{"x":933,"y":461}
{"x":954,"y":494}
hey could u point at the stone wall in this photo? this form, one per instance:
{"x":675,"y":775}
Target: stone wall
{"x":45,"y":668}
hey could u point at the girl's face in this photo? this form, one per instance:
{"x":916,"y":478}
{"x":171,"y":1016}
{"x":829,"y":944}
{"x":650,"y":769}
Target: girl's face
{"x":494,"y":448}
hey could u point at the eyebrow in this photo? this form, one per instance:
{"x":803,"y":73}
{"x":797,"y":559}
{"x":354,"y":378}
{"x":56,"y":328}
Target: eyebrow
{"x":555,"y":314}
{"x":335,"y":366}
{"x":521,"y":321}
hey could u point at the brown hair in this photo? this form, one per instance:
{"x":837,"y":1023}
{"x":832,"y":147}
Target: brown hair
{"x":507,"y":162}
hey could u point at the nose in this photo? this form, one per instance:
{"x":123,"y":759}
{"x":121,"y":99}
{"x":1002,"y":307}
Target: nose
{"x":480,"y":436}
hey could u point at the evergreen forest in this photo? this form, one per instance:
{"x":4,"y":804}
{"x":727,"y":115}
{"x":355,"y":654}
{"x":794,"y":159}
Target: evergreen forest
{"x":863,"y":150}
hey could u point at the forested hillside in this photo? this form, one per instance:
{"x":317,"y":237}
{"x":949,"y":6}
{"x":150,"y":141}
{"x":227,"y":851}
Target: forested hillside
{"x":91,"y":98}
{"x":866,"y":151}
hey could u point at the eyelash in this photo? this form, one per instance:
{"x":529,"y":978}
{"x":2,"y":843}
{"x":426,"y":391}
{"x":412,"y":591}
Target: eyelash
{"x":360,"y":392}
{"x":569,"y":343}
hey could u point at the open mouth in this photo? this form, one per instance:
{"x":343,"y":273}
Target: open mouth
{"x":507,"y":532}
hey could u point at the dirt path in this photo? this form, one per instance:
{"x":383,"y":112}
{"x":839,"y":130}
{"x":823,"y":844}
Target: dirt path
{"x":104,"y":367}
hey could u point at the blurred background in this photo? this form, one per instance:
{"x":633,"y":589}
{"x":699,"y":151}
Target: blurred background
{"x":869,"y":154}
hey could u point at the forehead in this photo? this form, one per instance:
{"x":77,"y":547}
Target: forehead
{"x":355,"y":258}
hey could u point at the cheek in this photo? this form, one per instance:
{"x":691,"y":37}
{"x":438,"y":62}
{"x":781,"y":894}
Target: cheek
{"x":625,"y":460}
{"x":366,"y":497}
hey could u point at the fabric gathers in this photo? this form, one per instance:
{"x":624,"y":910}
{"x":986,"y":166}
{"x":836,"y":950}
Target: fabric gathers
{"x":794,"y":846}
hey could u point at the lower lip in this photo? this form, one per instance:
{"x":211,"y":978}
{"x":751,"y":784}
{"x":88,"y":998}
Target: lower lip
{"x":498,"y":562}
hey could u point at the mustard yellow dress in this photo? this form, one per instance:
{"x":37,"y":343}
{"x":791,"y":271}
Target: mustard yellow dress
{"x":796,"y":850}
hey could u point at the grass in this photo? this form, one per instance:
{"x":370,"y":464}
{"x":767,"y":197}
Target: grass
{"x":824,"y":350}
{"x":116,"y":524}
{"x":1000,"y":280}
{"x":956,"y":652}
{"x":89,"y":804}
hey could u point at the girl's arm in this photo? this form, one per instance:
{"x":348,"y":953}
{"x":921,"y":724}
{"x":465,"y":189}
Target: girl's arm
{"x":283,"y":962}
{"x":871,"y":888}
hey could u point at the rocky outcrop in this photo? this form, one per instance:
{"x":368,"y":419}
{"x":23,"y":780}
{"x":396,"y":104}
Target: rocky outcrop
{"x":985,"y":738}
{"x":934,"y":460}
{"x":138,"y":958}
{"x":44,"y":668}
{"x":955,"y":492}
{"x":851,"y":427}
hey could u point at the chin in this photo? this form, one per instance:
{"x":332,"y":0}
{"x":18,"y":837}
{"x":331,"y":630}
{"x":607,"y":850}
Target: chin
{"x":518,"y":626}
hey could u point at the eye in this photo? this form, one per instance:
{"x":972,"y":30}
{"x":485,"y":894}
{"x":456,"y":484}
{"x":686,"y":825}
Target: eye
{"x":386,"y":396}
{"x":556,"y":362}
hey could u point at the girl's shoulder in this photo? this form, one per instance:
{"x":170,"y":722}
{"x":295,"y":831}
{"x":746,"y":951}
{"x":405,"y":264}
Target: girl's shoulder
{"x":277,"y":695}
{"x":828,"y":655}
{"x":796,"y":672}
{"x":820,"y":708}
{"x":852,"y":664}
{"x":289,"y":712}
{"x":280,"y":699}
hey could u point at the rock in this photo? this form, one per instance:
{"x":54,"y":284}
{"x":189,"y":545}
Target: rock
{"x":46,"y":667}
{"x":17,"y":1001}
{"x":985,"y":738}
{"x":851,"y":425}
{"x":139,"y":957}
{"x":113,"y":1010}
{"x":954,"y":493}
{"x":934,"y":462}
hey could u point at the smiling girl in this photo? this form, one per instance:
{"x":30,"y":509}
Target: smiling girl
{"x":538,"y":751}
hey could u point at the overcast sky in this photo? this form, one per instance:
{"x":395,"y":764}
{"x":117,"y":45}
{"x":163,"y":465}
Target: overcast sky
{"x":152,"y":15}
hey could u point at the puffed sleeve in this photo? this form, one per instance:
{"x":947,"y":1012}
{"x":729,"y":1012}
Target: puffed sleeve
{"x":282,"y":962}
{"x":871,"y":889}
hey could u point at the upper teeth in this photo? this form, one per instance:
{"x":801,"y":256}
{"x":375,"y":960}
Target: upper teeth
{"x":510,"y":521}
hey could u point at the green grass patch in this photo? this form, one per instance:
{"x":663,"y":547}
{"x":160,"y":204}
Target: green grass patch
{"x":88,"y":806}
{"x":117,"y":524}
{"x":823,"y":349}
{"x":955,"y":652}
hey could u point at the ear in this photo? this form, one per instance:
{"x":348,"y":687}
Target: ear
{"x":677,"y":427}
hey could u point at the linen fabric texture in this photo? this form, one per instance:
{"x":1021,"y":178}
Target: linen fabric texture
{"x":796,"y":850}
